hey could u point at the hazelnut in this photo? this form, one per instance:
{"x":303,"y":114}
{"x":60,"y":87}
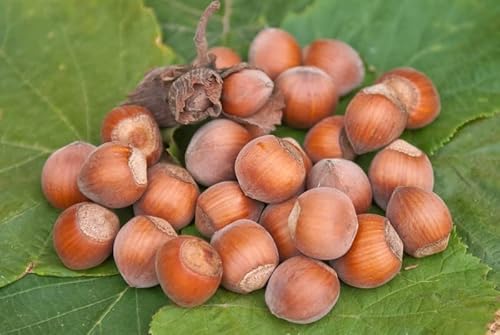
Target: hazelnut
{"x":399,"y":164}
{"x":189,"y":270}
{"x":323,"y":223}
{"x":222,"y":204}
{"x":418,"y":94}
{"x":307,"y":161}
{"x":339,"y":60}
{"x":327,"y":139}
{"x":135,"y":126}
{"x":135,"y":249}
{"x":421,"y":219}
{"x":374,"y":118}
{"x":270,"y":169}
{"x":286,"y":52}
{"x":114,"y":175}
{"x":375,"y":256}
{"x":310,"y":95}
{"x":212,"y":151}
{"x":275,"y":219}
{"x":171,"y":195}
{"x":346,"y":176}
{"x":302,"y":290}
{"x":60,"y":173}
{"x":245,"y":92}
{"x":83,"y":235}
{"x":248,"y":254}
{"x":224,"y":57}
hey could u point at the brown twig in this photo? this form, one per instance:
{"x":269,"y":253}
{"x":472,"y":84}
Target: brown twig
{"x":200,"y":38}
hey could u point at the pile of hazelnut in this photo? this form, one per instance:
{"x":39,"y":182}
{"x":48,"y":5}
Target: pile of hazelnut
{"x":278,"y":214}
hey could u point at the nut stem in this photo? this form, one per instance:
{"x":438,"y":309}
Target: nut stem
{"x":200,"y":38}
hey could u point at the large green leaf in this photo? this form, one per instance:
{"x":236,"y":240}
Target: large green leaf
{"x":234,"y":25}
{"x":44,"y":305}
{"x":467,"y":178}
{"x":63,"y":65}
{"x":444,"y":294}
{"x":455,"y":43}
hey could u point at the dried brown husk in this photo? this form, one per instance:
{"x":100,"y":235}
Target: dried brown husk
{"x":183,"y":94}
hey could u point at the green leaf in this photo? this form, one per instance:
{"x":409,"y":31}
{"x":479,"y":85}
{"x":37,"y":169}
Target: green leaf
{"x":63,"y":65}
{"x":455,"y":43}
{"x":444,"y":294}
{"x":468,"y":180}
{"x":45,"y":305}
{"x":235,"y":25}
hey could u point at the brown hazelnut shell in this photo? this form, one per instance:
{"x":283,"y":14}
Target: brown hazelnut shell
{"x":375,"y":256}
{"x":212,"y":151}
{"x":422,"y":220}
{"x":135,"y":126}
{"x":249,"y":255}
{"x":60,"y":173}
{"x":286,"y":52}
{"x":399,"y":164}
{"x":171,"y":195}
{"x":245,"y":92}
{"x":310,"y":95}
{"x":83,"y":235}
{"x":327,"y":139}
{"x":275,"y":219}
{"x":339,"y":60}
{"x":222,"y":204}
{"x":189,"y":270}
{"x":114,"y":175}
{"x":270,"y":169}
{"x":224,"y":57}
{"x":346,"y":176}
{"x":136,"y":246}
{"x":374,"y":118}
{"x":418,"y":94}
{"x":302,"y":290}
{"x":323,"y":223}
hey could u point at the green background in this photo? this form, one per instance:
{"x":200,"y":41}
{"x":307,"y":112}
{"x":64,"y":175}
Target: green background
{"x":64,"y":64}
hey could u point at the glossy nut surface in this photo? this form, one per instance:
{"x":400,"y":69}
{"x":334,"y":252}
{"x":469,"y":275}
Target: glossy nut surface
{"x":302,"y":290}
{"x":327,"y":139}
{"x":323,"y":223}
{"x":245,"y":92}
{"x":275,"y":219}
{"x":83,"y":235}
{"x":222,"y":204}
{"x":374,"y":118}
{"x":274,"y":50}
{"x":310,"y":95}
{"x":375,"y":256}
{"x":418,"y":94}
{"x":60,"y":173}
{"x":225,"y":57}
{"x":249,"y":255}
{"x":171,"y":195}
{"x":135,"y":126}
{"x":270,"y":169}
{"x":114,"y":175}
{"x":213,"y":149}
{"x":422,"y":220}
{"x":399,"y":164}
{"x":189,"y":270}
{"x":135,"y":249}
{"x":346,"y":176}
{"x":339,"y":60}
